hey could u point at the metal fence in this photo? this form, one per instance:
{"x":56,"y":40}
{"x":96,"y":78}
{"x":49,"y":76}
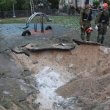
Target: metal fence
{"x":18,"y":13}
{"x":25,"y":13}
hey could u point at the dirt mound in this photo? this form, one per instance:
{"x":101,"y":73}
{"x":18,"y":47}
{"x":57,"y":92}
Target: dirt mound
{"x":92,"y":84}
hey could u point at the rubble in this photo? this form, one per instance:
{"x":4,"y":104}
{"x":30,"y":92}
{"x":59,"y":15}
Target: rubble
{"x":40,"y":75}
{"x":83,"y":72}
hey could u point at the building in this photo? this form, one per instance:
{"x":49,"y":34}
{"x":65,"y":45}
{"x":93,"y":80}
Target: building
{"x":75,"y":3}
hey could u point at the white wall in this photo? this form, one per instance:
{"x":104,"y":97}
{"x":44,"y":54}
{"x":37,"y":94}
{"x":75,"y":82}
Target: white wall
{"x":80,"y":2}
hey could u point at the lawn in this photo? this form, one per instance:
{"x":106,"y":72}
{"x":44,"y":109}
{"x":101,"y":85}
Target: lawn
{"x":12,"y":20}
{"x":71,"y":21}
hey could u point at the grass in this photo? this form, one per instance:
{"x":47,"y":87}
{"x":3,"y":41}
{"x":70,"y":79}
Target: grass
{"x":71,"y":21}
{"x":12,"y":20}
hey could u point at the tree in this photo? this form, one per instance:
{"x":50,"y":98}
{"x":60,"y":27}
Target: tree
{"x":76,"y":4}
{"x":96,"y":3}
{"x":7,"y":4}
{"x":13,"y":3}
{"x":54,"y":3}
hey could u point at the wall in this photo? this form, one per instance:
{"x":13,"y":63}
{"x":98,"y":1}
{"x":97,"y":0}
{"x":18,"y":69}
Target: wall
{"x":80,"y":3}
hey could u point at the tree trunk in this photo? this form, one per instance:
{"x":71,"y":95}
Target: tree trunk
{"x":14,"y":11}
{"x":76,"y":4}
{"x":32,"y":6}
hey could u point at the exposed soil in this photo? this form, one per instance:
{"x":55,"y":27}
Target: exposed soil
{"x":76,"y":79}
{"x":80,"y":77}
{"x":16,"y":90}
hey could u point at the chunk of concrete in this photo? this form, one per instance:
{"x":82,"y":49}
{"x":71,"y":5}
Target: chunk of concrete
{"x":60,"y":46}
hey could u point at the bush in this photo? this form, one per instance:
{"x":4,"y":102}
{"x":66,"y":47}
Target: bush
{"x":96,"y":3}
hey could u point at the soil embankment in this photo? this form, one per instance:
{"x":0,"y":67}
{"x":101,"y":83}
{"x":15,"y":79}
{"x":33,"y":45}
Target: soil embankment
{"x":75,"y":79}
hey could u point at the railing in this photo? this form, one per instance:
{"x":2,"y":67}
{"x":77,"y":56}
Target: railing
{"x":18,"y":13}
{"x":27,"y":13}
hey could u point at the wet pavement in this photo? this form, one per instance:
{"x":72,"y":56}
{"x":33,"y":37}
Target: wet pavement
{"x":10,"y":35}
